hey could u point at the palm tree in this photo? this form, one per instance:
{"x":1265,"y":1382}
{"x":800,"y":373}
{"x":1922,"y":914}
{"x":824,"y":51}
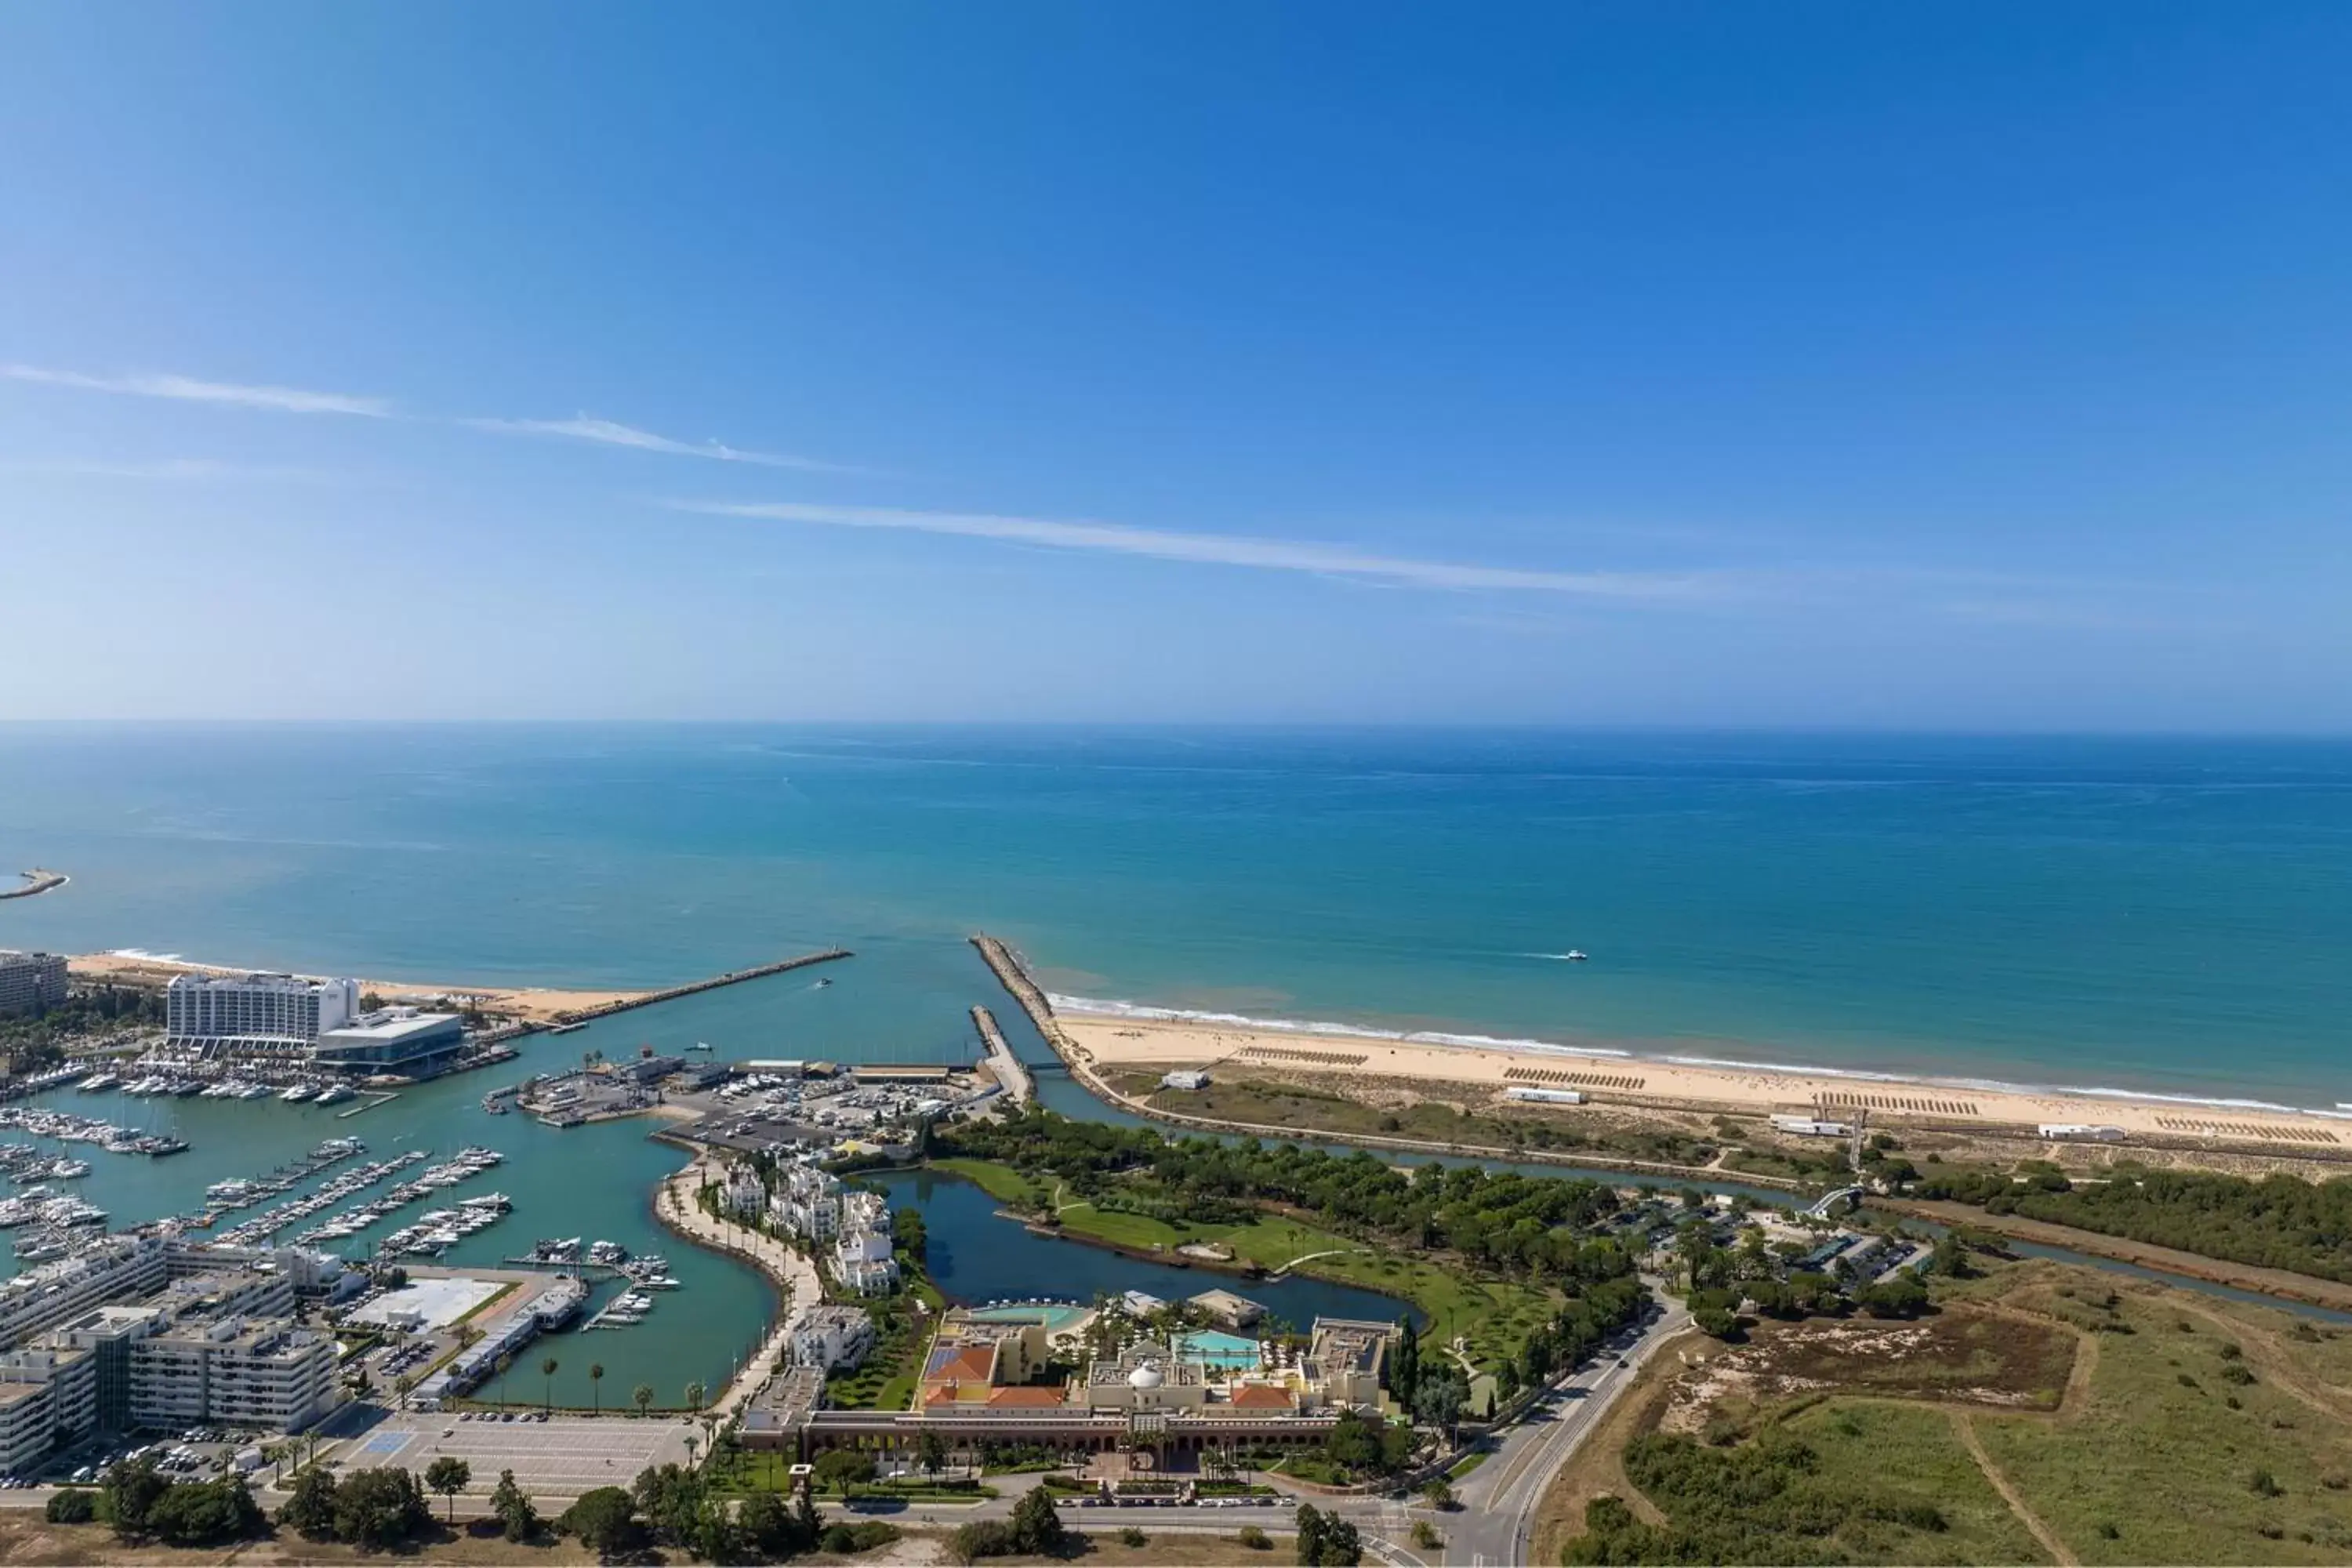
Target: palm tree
{"x":595,"y":1376}
{"x":547,"y":1371}
{"x":691,"y":1443}
{"x":643,"y":1396}
{"x":694,"y":1392}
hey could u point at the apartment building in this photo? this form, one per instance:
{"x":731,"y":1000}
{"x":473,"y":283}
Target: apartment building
{"x":744,"y":1194}
{"x":50,"y":1294}
{"x":808,"y":1203}
{"x":862,"y":1254}
{"x":231,"y":1369}
{"x":830,"y":1337}
{"x":255,"y":1014}
{"x":30,"y":982}
{"x":48,"y":1398}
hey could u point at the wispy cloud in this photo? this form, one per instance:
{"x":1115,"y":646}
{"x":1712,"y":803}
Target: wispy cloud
{"x":298,"y":400}
{"x":168,"y":469}
{"x":605,"y":432}
{"x":186,"y":389}
{"x":1235,"y":549}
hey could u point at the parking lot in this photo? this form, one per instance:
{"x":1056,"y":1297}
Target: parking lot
{"x":561,"y":1457}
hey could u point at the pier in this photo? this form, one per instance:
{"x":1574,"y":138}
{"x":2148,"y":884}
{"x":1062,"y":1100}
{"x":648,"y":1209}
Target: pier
{"x":1008,"y":1068}
{"x":566,"y":1023}
{"x":36,"y":881}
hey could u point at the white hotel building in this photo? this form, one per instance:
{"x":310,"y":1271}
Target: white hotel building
{"x":247,"y":1015}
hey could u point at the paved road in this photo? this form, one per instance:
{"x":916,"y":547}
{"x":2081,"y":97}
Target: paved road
{"x":1496,"y":1523}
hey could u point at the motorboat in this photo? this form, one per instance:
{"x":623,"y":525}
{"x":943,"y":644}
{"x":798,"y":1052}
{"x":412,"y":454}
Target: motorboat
{"x":336,"y":1093}
{"x":1576,"y":955}
{"x":296,"y":1093}
{"x":97,"y":1081}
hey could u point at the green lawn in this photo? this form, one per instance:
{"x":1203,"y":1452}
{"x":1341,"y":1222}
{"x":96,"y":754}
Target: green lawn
{"x":1493,"y":1315}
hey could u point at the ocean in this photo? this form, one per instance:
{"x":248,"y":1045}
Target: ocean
{"x":2156,"y":916}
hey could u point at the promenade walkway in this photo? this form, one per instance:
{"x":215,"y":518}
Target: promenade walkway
{"x":674,"y":1205}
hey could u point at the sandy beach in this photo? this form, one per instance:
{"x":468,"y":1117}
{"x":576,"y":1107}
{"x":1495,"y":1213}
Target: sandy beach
{"x":536,"y":1004}
{"x":1117,"y":1041}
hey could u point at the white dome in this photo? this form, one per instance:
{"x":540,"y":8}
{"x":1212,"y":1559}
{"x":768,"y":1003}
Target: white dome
{"x":1145,"y":1377}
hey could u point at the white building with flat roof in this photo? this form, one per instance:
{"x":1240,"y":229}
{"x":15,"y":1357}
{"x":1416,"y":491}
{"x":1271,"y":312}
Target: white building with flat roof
{"x":393,"y":1040}
{"x":255,"y":1014}
{"x":827,"y":1336}
{"x":47,"y":1399}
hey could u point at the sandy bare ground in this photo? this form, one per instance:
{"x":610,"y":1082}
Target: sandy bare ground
{"x":1626,"y":1080}
{"x":536,"y":1003}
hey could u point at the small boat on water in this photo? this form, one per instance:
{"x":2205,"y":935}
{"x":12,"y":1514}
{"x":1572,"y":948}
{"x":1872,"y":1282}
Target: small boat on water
{"x":336,"y":1093}
{"x":1576,"y":955}
{"x":573,"y":1028}
{"x":97,"y":1081}
{"x":296,"y":1093}
{"x":699,"y":1046}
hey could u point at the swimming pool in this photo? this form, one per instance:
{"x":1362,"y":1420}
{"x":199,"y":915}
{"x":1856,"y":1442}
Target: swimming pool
{"x":1228,"y":1352}
{"x":1055,"y":1318}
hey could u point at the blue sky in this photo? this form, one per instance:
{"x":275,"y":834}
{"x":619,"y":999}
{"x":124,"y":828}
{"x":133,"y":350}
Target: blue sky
{"x":1970,"y":366}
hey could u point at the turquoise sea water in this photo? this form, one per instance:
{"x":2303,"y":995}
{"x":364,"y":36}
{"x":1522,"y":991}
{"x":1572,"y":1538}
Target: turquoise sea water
{"x":2165,"y":916}
{"x":2158,"y":915}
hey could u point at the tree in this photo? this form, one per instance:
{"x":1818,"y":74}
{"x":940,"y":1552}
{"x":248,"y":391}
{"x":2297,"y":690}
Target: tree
{"x":448,"y":1476}
{"x":547,"y":1371}
{"x":771,"y":1530}
{"x":1438,"y":1495}
{"x":595,"y":1376}
{"x":1311,"y":1531}
{"x":310,"y":1511}
{"x":838,"y":1470}
{"x":931,"y":1453}
{"x":670,"y":1498}
{"x":206,"y":1513}
{"x":513,"y":1509}
{"x":1037,"y":1527}
{"x":605,"y":1520}
{"x":73,"y":1505}
{"x":642,"y":1397}
{"x":1439,"y":1400}
{"x":379,"y":1508}
{"x":131,"y":1489}
{"x":1404,"y":1367}
{"x":695,"y":1394}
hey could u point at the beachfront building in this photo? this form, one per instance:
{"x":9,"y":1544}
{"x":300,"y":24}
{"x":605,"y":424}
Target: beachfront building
{"x":830,"y":1339}
{"x":401,"y":1041}
{"x":807,"y":1204}
{"x":255,"y":1014}
{"x":30,"y":982}
{"x":862,"y":1254}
